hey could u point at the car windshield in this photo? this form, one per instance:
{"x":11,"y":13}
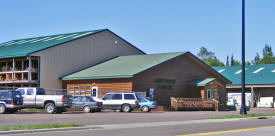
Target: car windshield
{"x":90,"y":99}
{"x":142,"y":99}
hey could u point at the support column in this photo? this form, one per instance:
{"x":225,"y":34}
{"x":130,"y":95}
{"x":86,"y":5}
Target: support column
{"x":29,"y":70}
{"x":22,"y":74}
{"x":13,"y":68}
{"x":252,"y":96}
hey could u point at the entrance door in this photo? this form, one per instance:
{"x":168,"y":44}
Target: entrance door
{"x":210,"y":94}
{"x":94,"y":92}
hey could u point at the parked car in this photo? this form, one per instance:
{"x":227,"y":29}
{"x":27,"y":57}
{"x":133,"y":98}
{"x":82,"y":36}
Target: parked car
{"x":10,"y":101}
{"x":35,"y":97}
{"x":146,"y":104}
{"x":86,"y":103}
{"x":125,"y":102}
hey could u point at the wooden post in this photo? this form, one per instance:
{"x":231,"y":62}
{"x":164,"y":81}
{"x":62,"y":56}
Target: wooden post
{"x":29,"y":70}
{"x":252,"y":96}
{"x":202,"y":95}
{"x":12,"y":74}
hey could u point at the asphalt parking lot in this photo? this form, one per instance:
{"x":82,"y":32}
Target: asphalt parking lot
{"x":101,"y":118}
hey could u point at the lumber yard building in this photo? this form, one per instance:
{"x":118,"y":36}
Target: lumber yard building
{"x":260,"y":84}
{"x":41,"y":61}
{"x":99,"y":61}
{"x":164,"y":75}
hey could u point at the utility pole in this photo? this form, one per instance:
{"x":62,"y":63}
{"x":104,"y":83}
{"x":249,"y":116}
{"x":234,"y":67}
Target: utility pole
{"x":243,"y":106}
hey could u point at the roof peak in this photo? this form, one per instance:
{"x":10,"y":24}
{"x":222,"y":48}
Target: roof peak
{"x":52,"y":35}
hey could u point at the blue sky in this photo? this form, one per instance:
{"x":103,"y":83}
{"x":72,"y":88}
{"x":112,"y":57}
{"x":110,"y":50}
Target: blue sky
{"x":153,"y":26}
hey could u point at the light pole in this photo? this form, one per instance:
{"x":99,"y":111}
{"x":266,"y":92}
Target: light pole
{"x":243,"y":106}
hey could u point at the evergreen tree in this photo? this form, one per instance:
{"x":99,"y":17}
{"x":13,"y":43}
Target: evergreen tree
{"x":268,"y":57}
{"x":209,"y":57}
{"x":257,"y":59}
{"x":234,"y":62}
{"x":227,"y":60}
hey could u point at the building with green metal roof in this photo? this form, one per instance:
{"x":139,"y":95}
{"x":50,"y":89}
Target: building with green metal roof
{"x":178,"y":74}
{"x":41,"y":61}
{"x":259,"y":80}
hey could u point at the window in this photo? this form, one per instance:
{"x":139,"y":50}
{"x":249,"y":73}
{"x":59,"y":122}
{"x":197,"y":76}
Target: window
{"x":40,"y":91}
{"x":80,"y":99}
{"x":210,"y":94}
{"x":16,"y":94}
{"x":108,"y":97}
{"x":117,"y":96}
{"x":22,"y":91}
{"x":30,"y":92}
{"x":94,"y":92}
{"x":129,"y":97}
{"x":90,"y":99}
{"x":142,"y":100}
{"x":75,"y":99}
{"x":4,"y":95}
{"x":112,"y":97}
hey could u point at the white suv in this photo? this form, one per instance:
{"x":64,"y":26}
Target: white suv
{"x":125,"y":102}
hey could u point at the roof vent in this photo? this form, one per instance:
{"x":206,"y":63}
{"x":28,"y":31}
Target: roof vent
{"x":258,"y":70}
{"x":220,"y":71}
{"x":240,"y":71}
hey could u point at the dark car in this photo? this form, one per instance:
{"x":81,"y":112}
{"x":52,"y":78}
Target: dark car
{"x":86,"y":103}
{"x":10,"y":101}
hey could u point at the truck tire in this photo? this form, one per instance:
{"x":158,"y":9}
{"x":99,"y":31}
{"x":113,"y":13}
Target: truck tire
{"x":126,"y":108}
{"x":50,"y":108}
{"x":2,"y":108}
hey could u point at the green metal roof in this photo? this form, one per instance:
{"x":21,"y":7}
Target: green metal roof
{"x":202,"y":82}
{"x":123,"y":66}
{"x":24,"y":47}
{"x":128,"y":66}
{"x":254,"y":74}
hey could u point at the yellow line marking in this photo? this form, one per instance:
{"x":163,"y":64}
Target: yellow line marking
{"x":226,"y":131}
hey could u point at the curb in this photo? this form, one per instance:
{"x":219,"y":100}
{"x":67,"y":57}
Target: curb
{"x":47,"y":130}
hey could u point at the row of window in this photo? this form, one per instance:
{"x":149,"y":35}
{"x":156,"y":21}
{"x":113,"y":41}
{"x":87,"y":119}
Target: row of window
{"x":119,"y":97}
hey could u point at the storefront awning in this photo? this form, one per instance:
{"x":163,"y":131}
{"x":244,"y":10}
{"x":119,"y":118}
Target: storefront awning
{"x":203,"y":82}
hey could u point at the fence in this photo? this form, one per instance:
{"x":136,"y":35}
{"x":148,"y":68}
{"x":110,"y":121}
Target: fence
{"x":193,"y":104}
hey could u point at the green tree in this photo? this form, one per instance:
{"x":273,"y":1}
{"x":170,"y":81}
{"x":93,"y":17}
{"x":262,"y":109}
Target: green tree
{"x":247,"y":63}
{"x":209,"y":57}
{"x":268,"y":57}
{"x":227,"y":60}
{"x":234,"y":62}
{"x":257,"y":59}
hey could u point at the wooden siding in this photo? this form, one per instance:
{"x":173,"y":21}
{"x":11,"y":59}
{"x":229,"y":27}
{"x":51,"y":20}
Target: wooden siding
{"x":183,"y":70}
{"x":104,"y":85}
{"x":76,"y":55}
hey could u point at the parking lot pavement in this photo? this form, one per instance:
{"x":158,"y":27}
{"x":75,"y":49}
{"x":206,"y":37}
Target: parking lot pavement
{"x":100,"y":118}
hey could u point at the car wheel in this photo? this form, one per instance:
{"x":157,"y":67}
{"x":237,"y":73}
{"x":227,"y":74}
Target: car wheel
{"x":87,"y":109}
{"x":2,"y":108}
{"x":126,"y":108}
{"x":145,"y":109}
{"x":50,"y":108}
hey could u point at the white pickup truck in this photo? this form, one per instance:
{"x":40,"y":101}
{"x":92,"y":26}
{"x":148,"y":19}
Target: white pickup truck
{"x":35,"y":97}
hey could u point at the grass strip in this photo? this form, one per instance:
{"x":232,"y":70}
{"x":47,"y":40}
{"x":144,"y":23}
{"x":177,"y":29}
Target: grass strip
{"x":38,"y":126}
{"x":32,"y":110}
{"x":243,"y":116}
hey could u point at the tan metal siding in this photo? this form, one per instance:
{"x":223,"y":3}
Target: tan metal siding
{"x":76,"y":55}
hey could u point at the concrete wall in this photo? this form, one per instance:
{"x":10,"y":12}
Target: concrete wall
{"x":76,"y":55}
